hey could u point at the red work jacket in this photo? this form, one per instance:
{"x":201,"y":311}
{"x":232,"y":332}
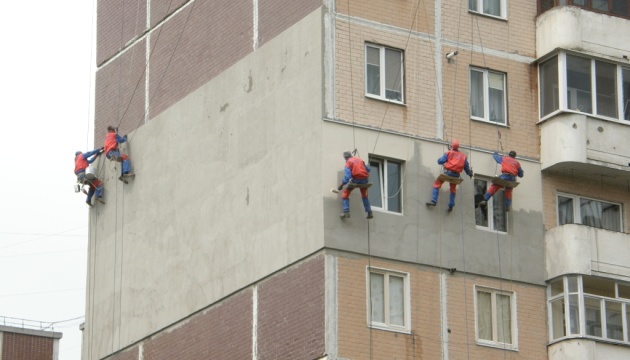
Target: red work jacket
{"x":510,"y":165}
{"x":455,"y":161}
{"x":357,"y":168}
{"x":110,"y":142}
{"x":80,"y":163}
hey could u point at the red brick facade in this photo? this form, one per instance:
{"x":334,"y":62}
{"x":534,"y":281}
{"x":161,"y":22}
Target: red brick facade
{"x":26,"y":347}
{"x":118,"y":23}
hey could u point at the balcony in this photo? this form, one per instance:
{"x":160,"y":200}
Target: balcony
{"x":573,"y":27}
{"x":579,"y":249}
{"x":581,"y":348}
{"x":578,"y":144}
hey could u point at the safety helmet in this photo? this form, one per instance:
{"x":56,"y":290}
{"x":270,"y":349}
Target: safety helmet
{"x":347,"y":155}
{"x":111,"y":128}
{"x":455,"y":144}
{"x":77,"y":153}
{"x":512,"y":154}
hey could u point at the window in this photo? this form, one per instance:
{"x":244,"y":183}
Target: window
{"x":388,"y":299}
{"x":384,"y":73}
{"x":610,"y":7}
{"x":386,"y":189}
{"x":589,"y":86}
{"x":487,"y":96}
{"x":580,"y":210}
{"x":495,"y":317}
{"x":488,"y":7}
{"x":491,"y":216}
{"x":596,"y":305}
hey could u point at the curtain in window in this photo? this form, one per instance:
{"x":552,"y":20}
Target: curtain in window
{"x":591,"y":212}
{"x":611,"y":219}
{"x":492,"y":7}
{"x":472,"y":5}
{"x":592,"y":313}
{"x":476,"y":94}
{"x":393,"y":74}
{"x":393,"y":187}
{"x":504,"y":319}
{"x":565,"y":210}
{"x":606,"y":88}
{"x":484,"y":315}
{"x":574,"y":315}
{"x":549,"y":99}
{"x":498,"y":211}
{"x":373,"y":71}
{"x":496,"y":97}
{"x":600,"y":5}
{"x":396,"y":301}
{"x":377,"y":296}
{"x":625,"y":73}
{"x":375,"y":192}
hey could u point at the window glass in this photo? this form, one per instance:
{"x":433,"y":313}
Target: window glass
{"x":496,"y":97}
{"x":579,"y":84}
{"x":492,"y":7}
{"x":614,"y":323}
{"x":481,"y":212}
{"x":472,"y":5}
{"x":580,"y":2}
{"x":375,"y":192}
{"x":373,"y":78}
{"x":557,"y":287}
{"x":624,"y":291}
{"x":557,"y":319}
{"x":598,"y":286}
{"x":393,"y":74}
{"x":627,"y":317}
{"x":377,"y":297}
{"x":620,"y":7}
{"x":504,"y":319}
{"x":565,"y":210}
{"x":549,"y":99}
{"x":396,"y":300}
{"x":592,"y":313}
{"x":600,"y":5}
{"x":484,"y":315}
{"x":572,"y":281}
{"x":625,"y":73}
{"x":600,"y":214}
{"x":498,"y":211}
{"x":606,"y":88}
{"x":393,"y":186}
{"x":574,"y":315}
{"x":476,"y":94}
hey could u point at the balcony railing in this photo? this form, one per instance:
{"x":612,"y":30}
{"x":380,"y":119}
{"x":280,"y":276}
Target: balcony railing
{"x":619,"y":8}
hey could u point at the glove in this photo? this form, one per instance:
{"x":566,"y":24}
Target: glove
{"x":340,"y":187}
{"x":125,"y":137}
{"x":471,"y":173}
{"x":101,"y":149}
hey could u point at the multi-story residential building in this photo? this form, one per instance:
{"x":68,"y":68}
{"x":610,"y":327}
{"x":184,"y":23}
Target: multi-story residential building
{"x":228,"y":243}
{"x":20,"y":340}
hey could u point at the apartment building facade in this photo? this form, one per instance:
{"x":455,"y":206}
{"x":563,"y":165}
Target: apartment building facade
{"x":228,"y":243}
{"x":25,"y":343}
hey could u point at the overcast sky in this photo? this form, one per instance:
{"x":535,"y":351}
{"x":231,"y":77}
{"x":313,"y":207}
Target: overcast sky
{"x":45,"y":70}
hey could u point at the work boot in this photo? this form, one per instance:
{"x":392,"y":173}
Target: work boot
{"x":431,"y":203}
{"x":128,"y":175}
{"x":507,"y":208}
{"x":483,"y":203}
{"x":121,"y":178}
{"x":370,"y":215}
{"x":450,"y":208}
{"x":345,"y":215}
{"x":100,"y":200}
{"x":88,"y":202}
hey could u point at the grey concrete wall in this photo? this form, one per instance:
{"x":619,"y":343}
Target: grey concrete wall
{"x":432,"y":236}
{"x":583,"y":349}
{"x":222,"y":196}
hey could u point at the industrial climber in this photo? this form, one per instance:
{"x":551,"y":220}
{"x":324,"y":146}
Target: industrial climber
{"x":112,"y":139}
{"x":454,"y":162}
{"x":356,"y":174}
{"x":510,"y":169}
{"x":81,"y":163}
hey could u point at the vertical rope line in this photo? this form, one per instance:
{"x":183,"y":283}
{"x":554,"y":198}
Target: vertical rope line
{"x":354,"y":142}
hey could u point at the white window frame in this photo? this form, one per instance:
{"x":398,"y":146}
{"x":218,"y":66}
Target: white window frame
{"x":382,"y":72}
{"x":490,"y":206}
{"x":385,"y":195}
{"x":582,"y":326}
{"x":479,"y":10}
{"x":577,"y":215}
{"x":486,"y":96}
{"x":564,"y":89}
{"x":513,"y":318}
{"x":407,"y":300}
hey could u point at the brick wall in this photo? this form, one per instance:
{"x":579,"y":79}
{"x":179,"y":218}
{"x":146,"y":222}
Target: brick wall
{"x":590,"y":187}
{"x":118,"y":22}
{"x":193,"y":47}
{"x":160,"y":9}
{"x":222,"y":332}
{"x":26,"y":347}
{"x":291,"y":313}
{"x":418,"y":115}
{"x":357,"y":341}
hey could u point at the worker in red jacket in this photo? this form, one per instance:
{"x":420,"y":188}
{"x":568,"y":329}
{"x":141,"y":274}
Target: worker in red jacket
{"x":454,"y":162}
{"x":355,"y":172}
{"x":510,"y":169}
{"x":81,"y":163}
{"x":112,"y":139}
